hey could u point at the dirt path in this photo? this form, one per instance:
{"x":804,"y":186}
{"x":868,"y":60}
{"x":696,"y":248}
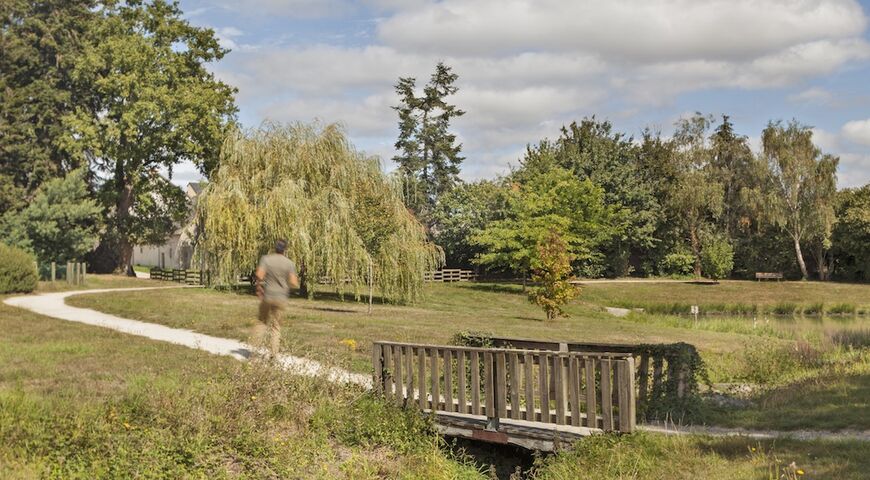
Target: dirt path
{"x":54,"y":305}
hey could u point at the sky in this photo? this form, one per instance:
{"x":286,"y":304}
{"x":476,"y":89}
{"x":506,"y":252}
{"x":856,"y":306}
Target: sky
{"x":527,"y":67}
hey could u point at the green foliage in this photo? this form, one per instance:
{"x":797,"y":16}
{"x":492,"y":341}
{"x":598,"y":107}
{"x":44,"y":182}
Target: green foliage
{"x":463,"y":212}
{"x":800,"y":186}
{"x":59,"y":225}
{"x":551,"y":271}
{"x":339,"y":213}
{"x":678,"y":264}
{"x":151,"y":103}
{"x":41,"y":42}
{"x":851,"y":235}
{"x":429,"y":157}
{"x":717,"y":257}
{"x":555,"y":199}
{"x":17,"y":270}
{"x":593,"y":150}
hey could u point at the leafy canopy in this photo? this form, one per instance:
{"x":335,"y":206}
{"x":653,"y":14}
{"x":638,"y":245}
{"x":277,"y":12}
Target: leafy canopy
{"x":551,"y":270}
{"x":338,"y":211}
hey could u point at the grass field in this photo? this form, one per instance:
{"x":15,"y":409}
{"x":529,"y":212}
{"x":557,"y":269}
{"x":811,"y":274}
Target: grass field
{"x":799,"y":381}
{"x":83,"y":402}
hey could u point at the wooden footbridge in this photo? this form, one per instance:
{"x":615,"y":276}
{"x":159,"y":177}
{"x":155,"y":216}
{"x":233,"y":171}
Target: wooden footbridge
{"x":533,"y":398}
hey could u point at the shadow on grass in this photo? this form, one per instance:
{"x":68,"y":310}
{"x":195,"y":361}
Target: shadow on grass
{"x":502,"y":461}
{"x":494,"y":287}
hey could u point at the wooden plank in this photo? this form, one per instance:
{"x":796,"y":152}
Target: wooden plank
{"x":397,"y":368}
{"x":409,"y":376}
{"x":501,"y":387}
{"x":559,"y":382}
{"x":514,"y":370}
{"x":544,"y":364}
{"x":448,"y":380}
{"x":643,"y":377}
{"x":574,"y":390}
{"x":388,"y":376}
{"x":591,"y":407}
{"x":421,"y":378}
{"x":475,"y":383}
{"x":530,"y":387}
{"x":606,"y":396}
{"x":433,"y":371}
{"x":627,"y":399}
{"x":488,"y":382}
{"x":377,"y":369}
{"x":461,"y":375}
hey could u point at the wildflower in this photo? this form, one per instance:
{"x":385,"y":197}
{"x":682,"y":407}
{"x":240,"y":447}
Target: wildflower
{"x":753,"y":449}
{"x":349,"y":343}
{"x":127,"y":426}
{"x":799,"y":472}
{"x":253,"y":397}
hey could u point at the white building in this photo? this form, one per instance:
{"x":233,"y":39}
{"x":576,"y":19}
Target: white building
{"x":177,"y":251}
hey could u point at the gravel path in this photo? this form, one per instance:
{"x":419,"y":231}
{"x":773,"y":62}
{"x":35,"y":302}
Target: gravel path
{"x":54,"y":305}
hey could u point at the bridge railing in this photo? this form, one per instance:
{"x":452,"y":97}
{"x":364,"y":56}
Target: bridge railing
{"x":595,"y":390}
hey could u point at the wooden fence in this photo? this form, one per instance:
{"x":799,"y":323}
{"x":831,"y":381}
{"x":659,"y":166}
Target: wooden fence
{"x":580,"y":389}
{"x":449,"y":275}
{"x":189,"y":277}
{"x":665,"y":373}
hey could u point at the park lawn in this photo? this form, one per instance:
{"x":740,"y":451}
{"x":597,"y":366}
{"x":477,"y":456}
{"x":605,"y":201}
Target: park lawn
{"x":93,"y":281}
{"x":316,"y":328}
{"x":726,"y":293}
{"x":83,"y":402}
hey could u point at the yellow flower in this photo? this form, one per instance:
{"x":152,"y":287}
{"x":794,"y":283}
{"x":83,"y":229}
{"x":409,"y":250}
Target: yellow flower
{"x":753,"y":449}
{"x":127,"y":426}
{"x":253,"y":397}
{"x":349,"y":343}
{"x":800,"y":472}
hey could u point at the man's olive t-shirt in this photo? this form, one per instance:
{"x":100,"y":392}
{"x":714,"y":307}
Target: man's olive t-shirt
{"x":275,"y":282}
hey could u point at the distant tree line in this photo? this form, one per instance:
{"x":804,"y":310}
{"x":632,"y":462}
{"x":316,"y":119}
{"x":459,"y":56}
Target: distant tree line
{"x":698,"y":203}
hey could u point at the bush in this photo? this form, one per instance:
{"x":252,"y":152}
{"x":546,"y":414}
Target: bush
{"x":17,"y":270}
{"x":677,"y":264}
{"x":717,"y":258}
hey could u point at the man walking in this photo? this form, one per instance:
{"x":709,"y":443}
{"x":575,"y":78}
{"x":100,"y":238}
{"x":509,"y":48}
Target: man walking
{"x":276,"y":274}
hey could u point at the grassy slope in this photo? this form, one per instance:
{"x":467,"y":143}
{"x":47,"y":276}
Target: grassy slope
{"x":829,"y":395}
{"x":640,"y":294}
{"x":84,"y":402}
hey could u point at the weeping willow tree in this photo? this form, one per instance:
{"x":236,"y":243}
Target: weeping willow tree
{"x":342,"y":217}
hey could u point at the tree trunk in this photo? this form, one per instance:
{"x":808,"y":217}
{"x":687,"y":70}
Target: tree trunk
{"x":800,"y":258}
{"x":124,"y":204}
{"x":696,"y":250}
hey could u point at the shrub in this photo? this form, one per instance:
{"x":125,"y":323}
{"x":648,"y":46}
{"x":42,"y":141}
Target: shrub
{"x":17,"y":270}
{"x":677,"y":264}
{"x":717,"y":258}
{"x":852,"y":338}
{"x":843,"y":309}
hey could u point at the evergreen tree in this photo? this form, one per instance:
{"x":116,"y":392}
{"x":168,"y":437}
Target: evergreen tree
{"x":40,"y":41}
{"x":429,"y":157}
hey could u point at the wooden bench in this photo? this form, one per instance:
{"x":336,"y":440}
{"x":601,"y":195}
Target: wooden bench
{"x":768,"y":276}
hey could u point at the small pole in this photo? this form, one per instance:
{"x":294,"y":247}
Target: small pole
{"x":371,"y":286}
{"x":68,"y":271}
{"x":695,"y":311}
{"x":84,"y":271}
{"x":53,"y":271}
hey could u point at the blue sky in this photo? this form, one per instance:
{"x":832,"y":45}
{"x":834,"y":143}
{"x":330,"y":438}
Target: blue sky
{"x":526,"y":67}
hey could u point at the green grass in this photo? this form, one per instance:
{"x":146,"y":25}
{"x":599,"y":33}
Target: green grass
{"x":83,"y":402}
{"x":96,"y":281}
{"x":728,"y":296}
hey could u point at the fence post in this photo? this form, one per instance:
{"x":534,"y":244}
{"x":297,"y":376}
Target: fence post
{"x":84,"y":271}
{"x":378,"y":362}
{"x":68,"y":269}
{"x":626,"y":395}
{"x":53,"y":271}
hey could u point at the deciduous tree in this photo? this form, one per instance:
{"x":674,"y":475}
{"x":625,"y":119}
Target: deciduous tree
{"x":552,"y":272}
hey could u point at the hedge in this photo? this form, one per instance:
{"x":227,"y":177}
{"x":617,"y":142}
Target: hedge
{"x":17,"y":270}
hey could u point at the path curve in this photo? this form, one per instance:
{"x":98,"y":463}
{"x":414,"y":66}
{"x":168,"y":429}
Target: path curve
{"x":54,"y":305}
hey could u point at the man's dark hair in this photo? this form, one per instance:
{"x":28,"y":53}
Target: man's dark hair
{"x":280,"y":246}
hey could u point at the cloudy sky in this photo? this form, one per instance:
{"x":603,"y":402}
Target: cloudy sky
{"x":526,"y":67}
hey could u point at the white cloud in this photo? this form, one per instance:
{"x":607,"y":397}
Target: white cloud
{"x":812,"y":96}
{"x":858,"y":131}
{"x":637,"y":30}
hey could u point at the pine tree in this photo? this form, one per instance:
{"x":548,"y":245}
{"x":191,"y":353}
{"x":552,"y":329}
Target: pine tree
{"x":429,"y":157}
